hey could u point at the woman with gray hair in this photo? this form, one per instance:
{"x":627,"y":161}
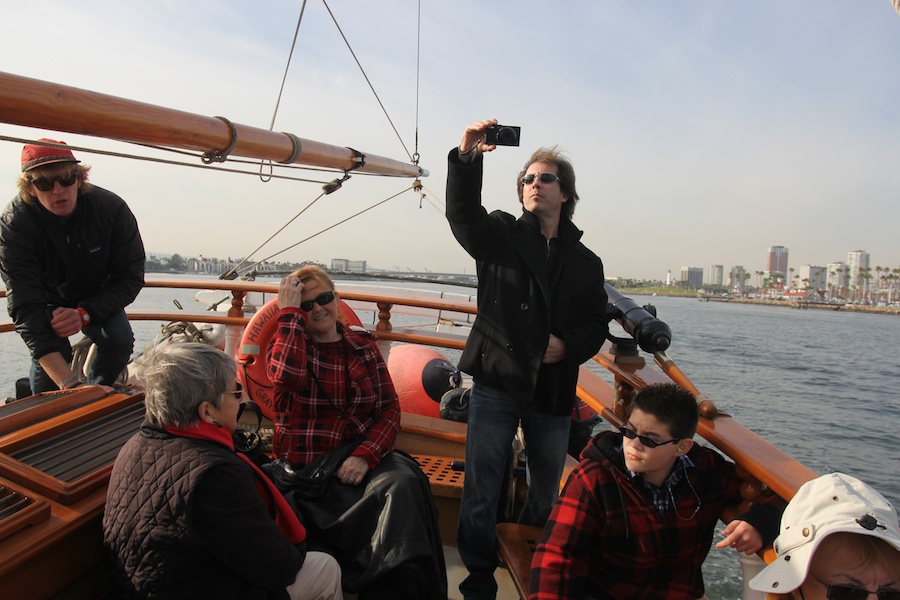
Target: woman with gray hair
{"x":188,"y":517}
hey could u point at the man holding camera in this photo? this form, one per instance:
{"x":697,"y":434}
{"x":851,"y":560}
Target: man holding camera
{"x":541,"y":314}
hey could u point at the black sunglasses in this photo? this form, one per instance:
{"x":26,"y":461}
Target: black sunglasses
{"x":45,"y":184}
{"x":321,"y":300}
{"x":645,"y":441}
{"x":544,"y":177}
{"x":238,"y":391}
{"x":847,"y":592}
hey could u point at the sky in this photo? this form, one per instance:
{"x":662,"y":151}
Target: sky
{"x":702,"y":132}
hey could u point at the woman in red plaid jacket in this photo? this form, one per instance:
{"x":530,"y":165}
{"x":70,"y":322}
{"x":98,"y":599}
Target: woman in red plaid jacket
{"x":332,"y":389}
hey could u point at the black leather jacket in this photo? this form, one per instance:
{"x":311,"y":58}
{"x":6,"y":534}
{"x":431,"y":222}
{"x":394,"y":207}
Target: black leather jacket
{"x":93,"y":259}
{"x":519,"y":303}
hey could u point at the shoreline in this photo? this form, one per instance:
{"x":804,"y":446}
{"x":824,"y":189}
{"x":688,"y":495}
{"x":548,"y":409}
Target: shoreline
{"x":797,"y":304}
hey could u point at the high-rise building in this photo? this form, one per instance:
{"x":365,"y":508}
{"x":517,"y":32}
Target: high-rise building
{"x":736,"y":278}
{"x":811,"y":277}
{"x":858,"y":261}
{"x":834,"y":279}
{"x":692,"y":277}
{"x":715,"y":275}
{"x":778,"y":260}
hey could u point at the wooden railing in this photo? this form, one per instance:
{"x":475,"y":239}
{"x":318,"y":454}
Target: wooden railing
{"x":762,"y":461}
{"x":74,"y":504}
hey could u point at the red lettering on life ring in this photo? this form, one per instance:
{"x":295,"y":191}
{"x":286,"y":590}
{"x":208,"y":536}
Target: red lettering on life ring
{"x":252,"y":352}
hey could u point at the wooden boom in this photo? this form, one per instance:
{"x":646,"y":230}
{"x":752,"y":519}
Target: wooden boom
{"x":35,"y":103}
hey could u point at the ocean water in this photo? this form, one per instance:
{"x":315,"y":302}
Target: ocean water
{"x":824,"y":386}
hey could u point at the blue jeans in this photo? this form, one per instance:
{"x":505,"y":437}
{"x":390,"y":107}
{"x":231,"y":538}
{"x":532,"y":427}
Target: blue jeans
{"x":115,"y":343}
{"x":494,"y":417}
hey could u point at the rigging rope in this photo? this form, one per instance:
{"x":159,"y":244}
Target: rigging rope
{"x":330,"y":227}
{"x":287,"y":66}
{"x":262,"y":164}
{"x":371,"y":87}
{"x":415,"y":157}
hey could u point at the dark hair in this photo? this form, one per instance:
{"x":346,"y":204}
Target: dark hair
{"x":671,"y":405}
{"x":564,"y":170}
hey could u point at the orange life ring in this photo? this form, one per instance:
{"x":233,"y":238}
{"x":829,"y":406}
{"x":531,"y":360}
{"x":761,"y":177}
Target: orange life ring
{"x":252,"y":352}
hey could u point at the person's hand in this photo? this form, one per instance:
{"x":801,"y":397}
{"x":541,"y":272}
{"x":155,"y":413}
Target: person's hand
{"x":290,"y":292}
{"x":473,"y":136}
{"x":741,"y":536}
{"x":556,"y":350}
{"x":65,"y":322}
{"x":352,"y":470}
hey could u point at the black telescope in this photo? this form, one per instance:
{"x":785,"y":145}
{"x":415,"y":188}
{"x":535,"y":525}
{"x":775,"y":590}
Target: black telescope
{"x":651,"y":334}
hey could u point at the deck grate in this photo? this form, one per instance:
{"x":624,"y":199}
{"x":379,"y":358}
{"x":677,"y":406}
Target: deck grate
{"x":73,"y":454}
{"x":445,"y":480}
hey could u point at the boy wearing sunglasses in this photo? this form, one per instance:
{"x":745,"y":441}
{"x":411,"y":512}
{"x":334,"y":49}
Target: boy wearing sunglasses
{"x":541,"y":314}
{"x":637,"y":516}
{"x":72,"y":258}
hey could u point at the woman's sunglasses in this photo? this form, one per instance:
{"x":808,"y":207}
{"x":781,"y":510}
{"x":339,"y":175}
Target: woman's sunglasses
{"x":45,"y":184}
{"x":847,"y":592}
{"x":321,"y":300}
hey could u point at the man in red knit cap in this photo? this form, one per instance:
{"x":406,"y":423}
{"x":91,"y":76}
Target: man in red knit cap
{"x":72,"y":258}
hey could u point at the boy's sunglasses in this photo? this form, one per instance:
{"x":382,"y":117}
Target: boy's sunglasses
{"x":45,"y":184}
{"x":321,"y":300}
{"x":846,"y":592}
{"x":544,"y":177}
{"x":646,"y":441}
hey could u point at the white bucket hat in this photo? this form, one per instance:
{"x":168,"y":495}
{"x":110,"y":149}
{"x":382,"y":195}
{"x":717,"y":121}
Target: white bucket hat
{"x":825,"y":505}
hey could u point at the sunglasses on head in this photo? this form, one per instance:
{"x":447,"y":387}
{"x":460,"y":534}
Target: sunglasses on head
{"x":544,"y":177}
{"x":645,"y":441}
{"x":321,"y":300}
{"x":847,"y":592}
{"x":45,"y":184}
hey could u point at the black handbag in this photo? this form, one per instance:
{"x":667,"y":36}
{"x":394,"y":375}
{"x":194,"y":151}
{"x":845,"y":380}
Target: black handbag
{"x":310,"y":481}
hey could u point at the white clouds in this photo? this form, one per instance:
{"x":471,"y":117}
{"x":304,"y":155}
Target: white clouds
{"x":701,"y":133}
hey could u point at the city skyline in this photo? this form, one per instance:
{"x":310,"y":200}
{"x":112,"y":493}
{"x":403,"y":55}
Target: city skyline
{"x":726,"y":270}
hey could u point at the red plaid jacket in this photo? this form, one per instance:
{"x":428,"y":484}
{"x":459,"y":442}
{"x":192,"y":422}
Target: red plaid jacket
{"x":606,"y":539}
{"x":327,"y":395}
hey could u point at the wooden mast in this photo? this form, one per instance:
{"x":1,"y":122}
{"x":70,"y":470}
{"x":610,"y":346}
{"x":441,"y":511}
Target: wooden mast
{"x":35,"y":103}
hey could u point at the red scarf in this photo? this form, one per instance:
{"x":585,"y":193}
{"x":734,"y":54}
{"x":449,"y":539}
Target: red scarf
{"x":284,"y":516}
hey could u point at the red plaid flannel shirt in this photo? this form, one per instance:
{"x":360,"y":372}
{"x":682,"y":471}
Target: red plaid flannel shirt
{"x":606,"y":539}
{"x":327,"y":395}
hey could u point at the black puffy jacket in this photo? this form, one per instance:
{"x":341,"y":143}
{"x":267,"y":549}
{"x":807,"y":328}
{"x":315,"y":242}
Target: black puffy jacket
{"x":93,"y":260}
{"x":184,"y":519}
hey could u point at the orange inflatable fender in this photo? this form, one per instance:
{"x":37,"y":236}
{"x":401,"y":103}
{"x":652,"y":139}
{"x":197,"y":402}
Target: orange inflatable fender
{"x":421,"y":376}
{"x":252,"y":353}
